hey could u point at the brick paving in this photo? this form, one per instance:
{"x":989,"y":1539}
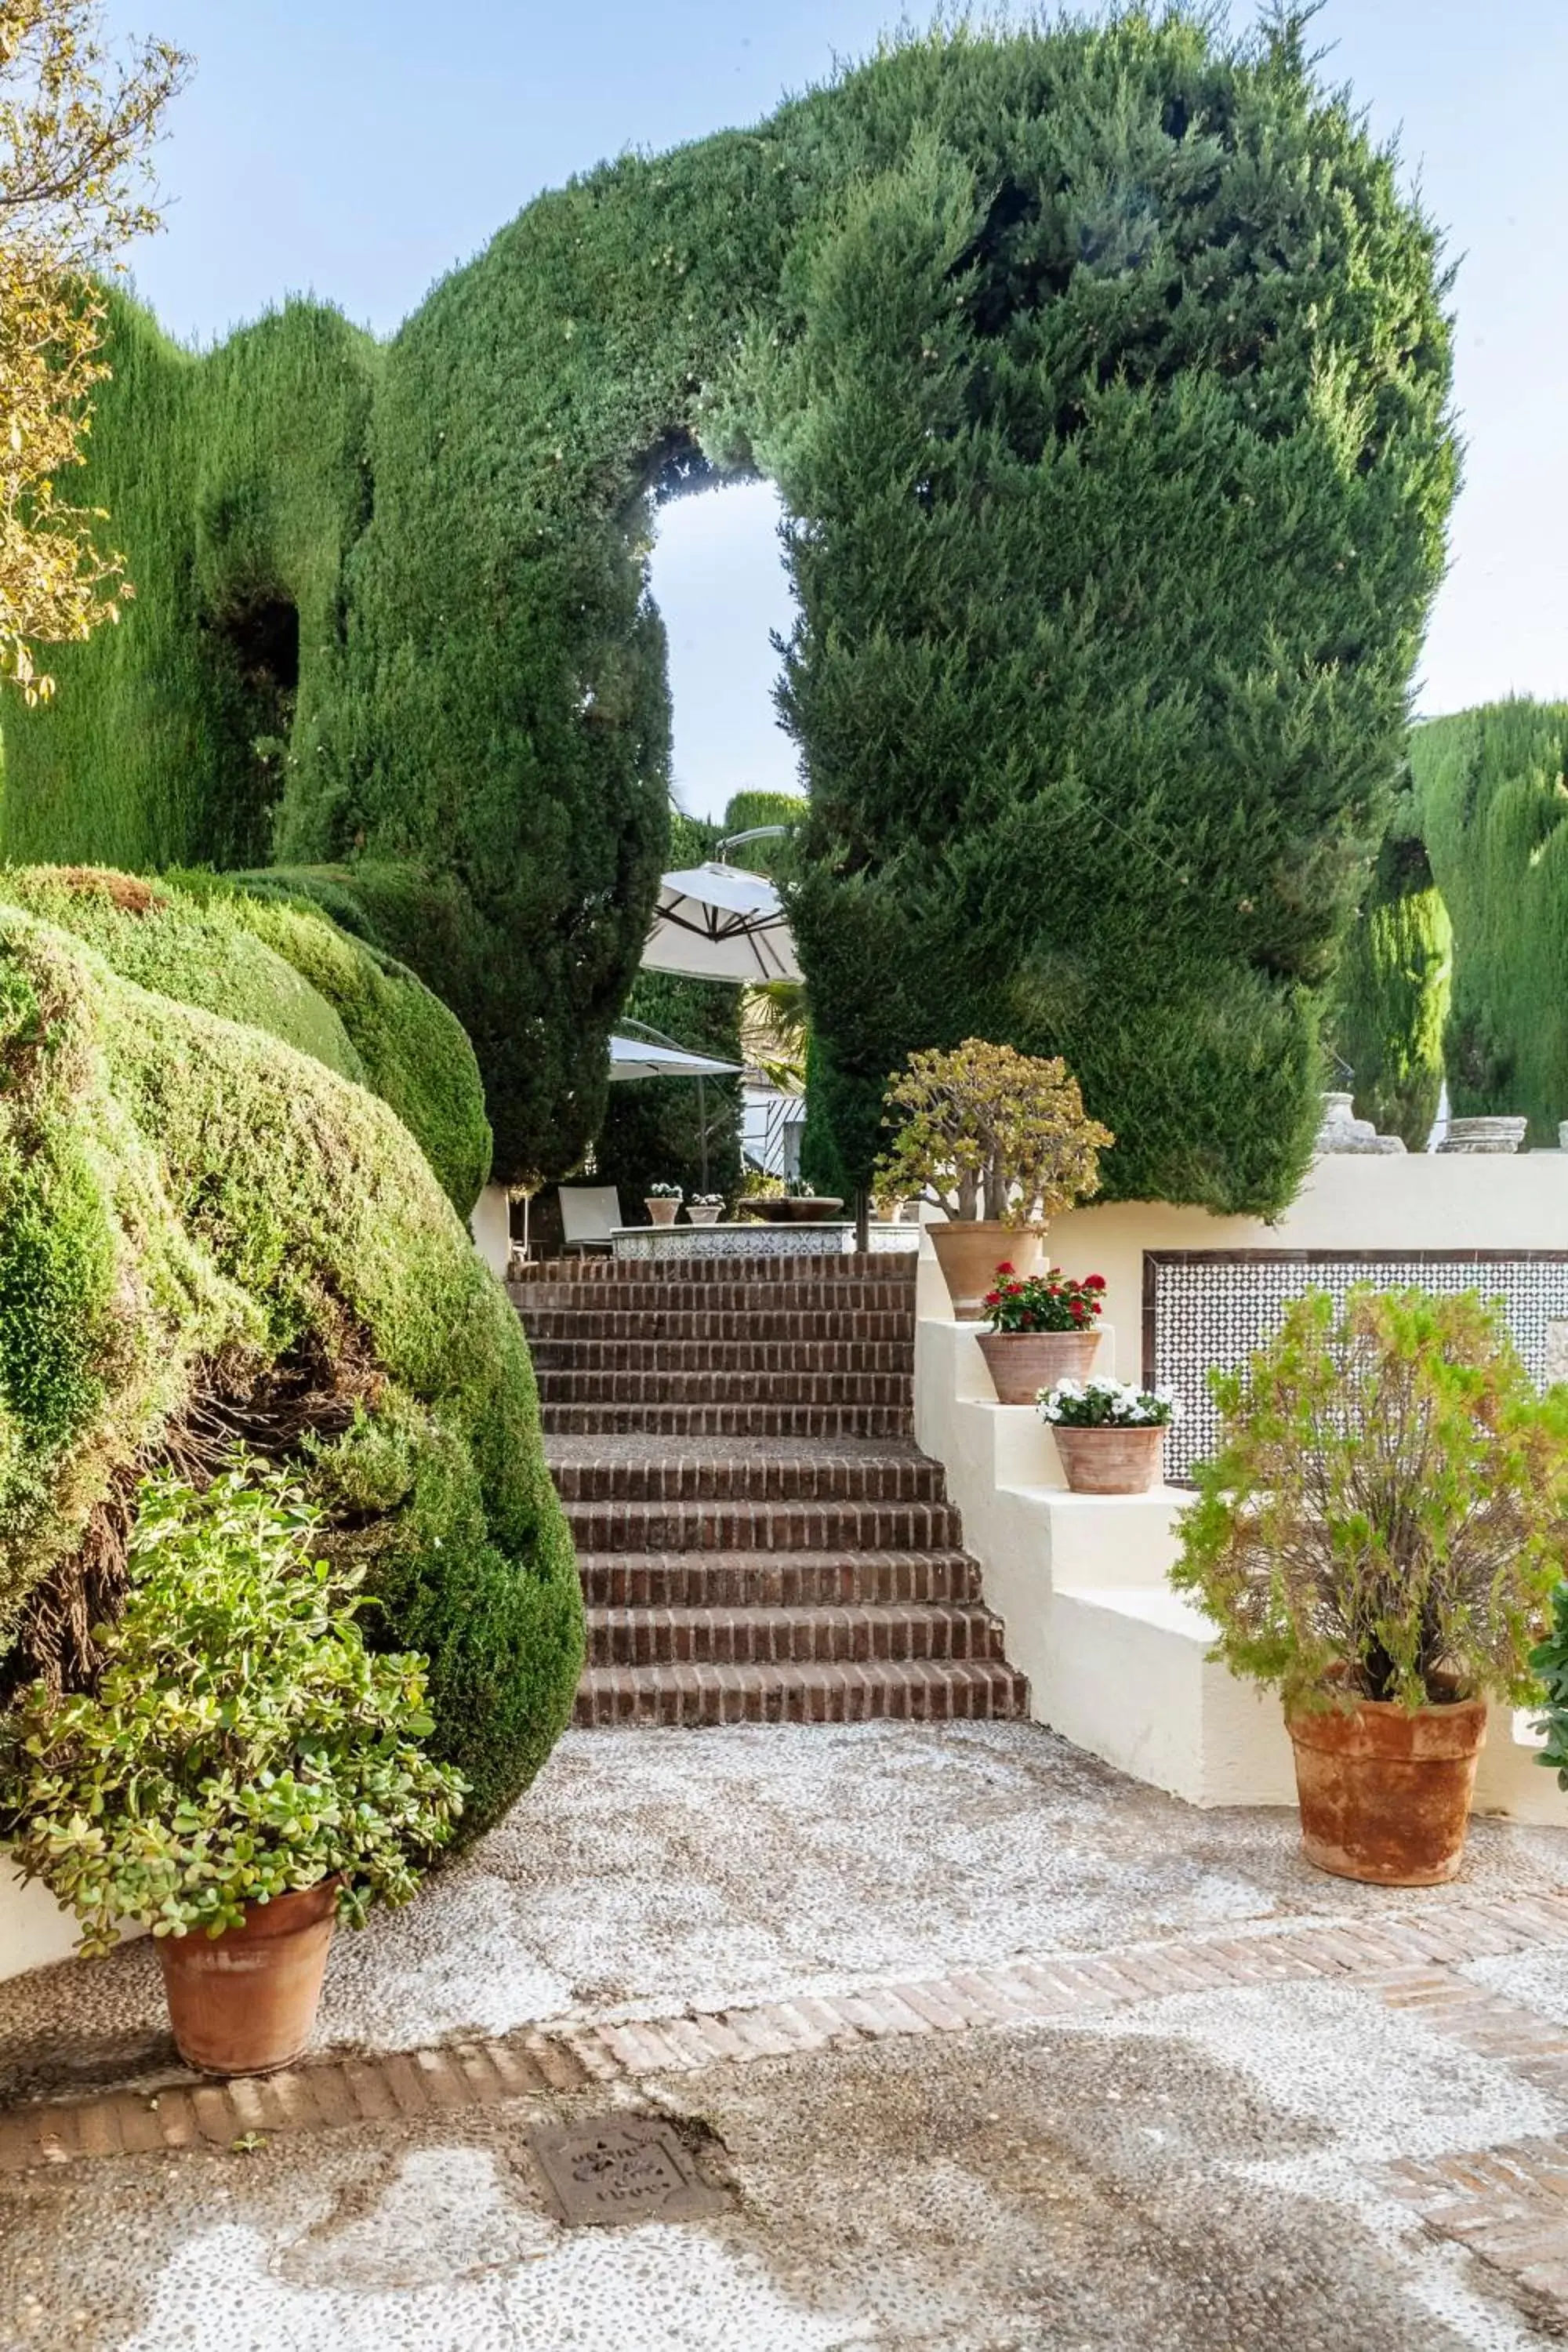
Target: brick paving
{"x":758,"y":1537}
{"x":1406,"y":1960}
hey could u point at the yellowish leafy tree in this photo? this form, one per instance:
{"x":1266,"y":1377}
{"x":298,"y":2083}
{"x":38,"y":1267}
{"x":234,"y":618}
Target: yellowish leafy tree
{"x":77,"y":130}
{"x":989,"y":1132}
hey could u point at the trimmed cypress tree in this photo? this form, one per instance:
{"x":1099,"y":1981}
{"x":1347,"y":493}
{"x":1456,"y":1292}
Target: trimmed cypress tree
{"x":1104,"y":374}
{"x":1491,"y":801}
{"x":1391,"y":993}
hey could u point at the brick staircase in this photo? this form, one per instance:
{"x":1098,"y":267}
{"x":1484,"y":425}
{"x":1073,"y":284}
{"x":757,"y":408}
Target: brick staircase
{"x":759,"y":1539}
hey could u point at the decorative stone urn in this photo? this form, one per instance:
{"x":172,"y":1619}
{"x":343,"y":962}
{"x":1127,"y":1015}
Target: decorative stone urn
{"x":1021,"y":1363}
{"x":970,"y":1249}
{"x":1341,"y":1131}
{"x":704,"y":1213}
{"x":1110,"y":1460}
{"x":661,"y":1209}
{"x":1385,"y":1795}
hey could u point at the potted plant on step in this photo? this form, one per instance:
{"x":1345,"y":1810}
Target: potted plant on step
{"x":705,"y":1208}
{"x":1110,"y":1436}
{"x":1041,"y":1330}
{"x":243,"y":1773}
{"x":1377,"y":1537}
{"x":662,"y":1202}
{"x":1001,"y":1142}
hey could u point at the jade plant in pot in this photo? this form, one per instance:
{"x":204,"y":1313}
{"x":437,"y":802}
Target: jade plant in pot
{"x":243,"y":1772}
{"x":1109,"y":1434}
{"x":1001,"y":1142}
{"x":1377,"y":1537}
{"x":1040,"y":1330}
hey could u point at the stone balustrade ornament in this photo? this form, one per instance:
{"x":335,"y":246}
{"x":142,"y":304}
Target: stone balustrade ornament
{"x":1341,"y":1131}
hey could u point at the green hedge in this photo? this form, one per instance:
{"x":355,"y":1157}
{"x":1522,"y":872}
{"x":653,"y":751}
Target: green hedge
{"x":1392,"y":992}
{"x":202,"y":1229}
{"x":1491,"y":801}
{"x":1103,"y":373}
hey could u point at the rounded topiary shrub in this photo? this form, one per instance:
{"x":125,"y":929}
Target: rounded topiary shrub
{"x":210,"y":1238}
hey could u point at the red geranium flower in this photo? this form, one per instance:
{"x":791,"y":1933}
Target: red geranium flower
{"x":1094,"y":1282}
{"x":994,"y":1298}
{"x":1005,"y":1266}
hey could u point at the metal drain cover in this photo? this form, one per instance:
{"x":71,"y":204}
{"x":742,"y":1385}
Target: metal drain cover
{"x":623,"y":2168}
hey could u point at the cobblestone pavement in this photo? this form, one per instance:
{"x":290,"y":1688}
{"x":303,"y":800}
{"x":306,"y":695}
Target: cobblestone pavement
{"x":994,"y":2049}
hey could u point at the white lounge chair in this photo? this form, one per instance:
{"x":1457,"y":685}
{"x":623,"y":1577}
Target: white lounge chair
{"x":589,"y":1215}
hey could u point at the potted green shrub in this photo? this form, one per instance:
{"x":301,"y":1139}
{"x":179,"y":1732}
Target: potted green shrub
{"x":998,"y":1140}
{"x":243,"y":1773}
{"x":1377,"y":1537}
{"x":1108,"y":1434}
{"x":662,"y":1202}
{"x":1040,"y":1330}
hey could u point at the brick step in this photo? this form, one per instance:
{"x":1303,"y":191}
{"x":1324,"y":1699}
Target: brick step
{"x":724,"y":1354}
{"x":910,"y":1689}
{"x":892,"y":1268}
{"x":737,"y":1297}
{"x":745,"y":1419}
{"x":653,"y":1476}
{"x":663,"y":1324}
{"x":594,"y":1384}
{"x":758,"y":1637}
{"x":798,"y":1580}
{"x":646,"y":1527}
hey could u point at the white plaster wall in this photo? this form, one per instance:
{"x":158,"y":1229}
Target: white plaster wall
{"x":491,"y":1225}
{"x":34,"y":1930}
{"x":1116,"y":1661}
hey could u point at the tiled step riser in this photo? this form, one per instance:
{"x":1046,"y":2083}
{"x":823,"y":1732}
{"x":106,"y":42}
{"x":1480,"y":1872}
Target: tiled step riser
{"x":678,"y":1420}
{"x":709,"y":1357}
{"x":863,"y":1579}
{"x":597,"y":1386}
{"x":692,"y":1697}
{"x":651,"y":1637}
{"x":760,"y":1480}
{"x":549,"y":1325}
{"x":764,"y":1527}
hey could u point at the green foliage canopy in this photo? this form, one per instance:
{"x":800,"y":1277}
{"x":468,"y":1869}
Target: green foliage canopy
{"x":1103,"y":372}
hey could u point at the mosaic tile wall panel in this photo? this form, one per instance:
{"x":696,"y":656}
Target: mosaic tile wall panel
{"x":1203,"y":1308}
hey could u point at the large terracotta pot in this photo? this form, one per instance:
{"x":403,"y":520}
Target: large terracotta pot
{"x":1110,"y":1461}
{"x":970,"y":1249}
{"x":1385,"y":1795}
{"x":245,"y":2003}
{"x":1021,"y":1363}
{"x":662,"y":1211}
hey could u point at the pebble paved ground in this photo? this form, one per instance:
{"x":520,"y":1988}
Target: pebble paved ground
{"x":999,"y":2053}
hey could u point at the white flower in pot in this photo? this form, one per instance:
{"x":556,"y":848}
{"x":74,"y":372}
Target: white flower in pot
{"x":662,"y":1202}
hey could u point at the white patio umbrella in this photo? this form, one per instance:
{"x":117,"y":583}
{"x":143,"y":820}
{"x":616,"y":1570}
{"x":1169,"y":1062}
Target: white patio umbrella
{"x":639,"y":1057}
{"x":720,"y":922}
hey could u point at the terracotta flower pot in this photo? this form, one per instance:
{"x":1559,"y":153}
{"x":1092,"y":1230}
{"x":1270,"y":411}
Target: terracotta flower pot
{"x":970,"y":1249}
{"x":1111,"y":1461}
{"x":701,"y":1215}
{"x":662,"y":1212}
{"x":1021,"y":1363}
{"x":1385,"y":1795}
{"x":245,"y":2003}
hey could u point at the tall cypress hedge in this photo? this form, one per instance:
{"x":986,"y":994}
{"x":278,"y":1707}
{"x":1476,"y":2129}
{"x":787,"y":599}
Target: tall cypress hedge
{"x":1392,"y":991}
{"x":1491,"y":793}
{"x":1104,"y":374}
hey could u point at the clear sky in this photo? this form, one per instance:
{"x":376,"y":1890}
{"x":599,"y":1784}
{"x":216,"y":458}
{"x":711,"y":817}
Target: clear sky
{"x":358,"y":149}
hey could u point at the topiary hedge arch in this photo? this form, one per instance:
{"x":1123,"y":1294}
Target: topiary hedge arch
{"x":1104,"y":376}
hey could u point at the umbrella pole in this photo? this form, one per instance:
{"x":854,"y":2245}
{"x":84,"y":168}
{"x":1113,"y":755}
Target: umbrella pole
{"x":702,"y":1124}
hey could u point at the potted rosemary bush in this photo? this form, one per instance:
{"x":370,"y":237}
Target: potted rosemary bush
{"x":1001,"y":1142}
{"x":1378,"y":1539}
{"x":1109,"y":1436}
{"x":1040,"y":1331}
{"x":243,"y":1773}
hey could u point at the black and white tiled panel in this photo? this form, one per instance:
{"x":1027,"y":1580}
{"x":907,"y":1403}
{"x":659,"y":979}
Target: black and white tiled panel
{"x":1214,"y":1308}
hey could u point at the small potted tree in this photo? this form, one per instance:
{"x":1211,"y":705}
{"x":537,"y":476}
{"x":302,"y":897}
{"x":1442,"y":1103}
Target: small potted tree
{"x":1041,"y":1330}
{"x":662,"y":1202}
{"x":1109,"y":1435}
{"x":1377,"y":1537}
{"x":243,"y":1772}
{"x":1001,"y":1142}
